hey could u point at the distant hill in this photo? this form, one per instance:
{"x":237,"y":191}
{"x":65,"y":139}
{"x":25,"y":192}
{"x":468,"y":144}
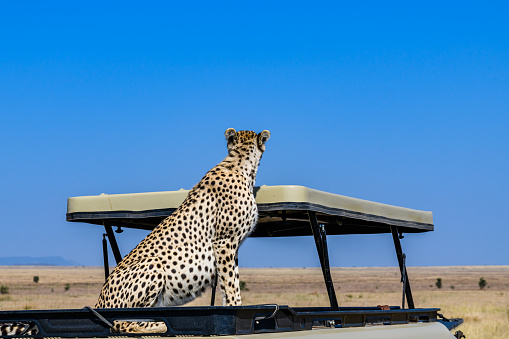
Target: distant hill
{"x":36,"y":261}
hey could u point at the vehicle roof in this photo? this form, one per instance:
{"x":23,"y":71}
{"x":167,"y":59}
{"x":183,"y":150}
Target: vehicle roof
{"x":283,"y":211}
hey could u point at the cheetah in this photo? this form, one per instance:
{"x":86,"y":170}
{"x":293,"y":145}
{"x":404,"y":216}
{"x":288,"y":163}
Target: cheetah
{"x":18,"y":329}
{"x":180,"y":258}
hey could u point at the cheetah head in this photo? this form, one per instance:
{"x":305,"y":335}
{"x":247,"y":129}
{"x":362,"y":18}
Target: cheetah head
{"x":235,"y":139}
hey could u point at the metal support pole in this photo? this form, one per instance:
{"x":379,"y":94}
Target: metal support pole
{"x":214,"y":285}
{"x":403,"y":280}
{"x":402,"y":267}
{"x":113,"y":243}
{"x":321,"y":246}
{"x":105,"y":256}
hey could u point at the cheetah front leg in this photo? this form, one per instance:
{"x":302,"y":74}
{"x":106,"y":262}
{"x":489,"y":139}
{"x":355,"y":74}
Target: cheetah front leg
{"x":228,"y":272}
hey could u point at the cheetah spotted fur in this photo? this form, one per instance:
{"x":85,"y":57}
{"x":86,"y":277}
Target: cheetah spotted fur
{"x":17,"y":329}
{"x":180,"y":257}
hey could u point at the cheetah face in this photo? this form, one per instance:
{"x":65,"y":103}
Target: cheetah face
{"x":235,"y":140}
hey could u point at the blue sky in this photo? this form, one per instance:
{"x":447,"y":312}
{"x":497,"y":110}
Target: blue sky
{"x":395,"y":102}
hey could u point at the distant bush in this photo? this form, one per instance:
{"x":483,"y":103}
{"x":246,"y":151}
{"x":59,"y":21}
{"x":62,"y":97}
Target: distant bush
{"x":36,"y":279}
{"x":482,"y":283}
{"x":438,"y":283}
{"x":67,"y":286}
{"x":243,"y":286}
{"x":4,"y":289}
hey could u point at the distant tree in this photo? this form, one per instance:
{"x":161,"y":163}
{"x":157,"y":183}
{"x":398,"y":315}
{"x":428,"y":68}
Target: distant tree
{"x":36,"y":279}
{"x":67,"y":286}
{"x":4,"y":289}
{"x":438,"y":283}
{"x":482,"y":283}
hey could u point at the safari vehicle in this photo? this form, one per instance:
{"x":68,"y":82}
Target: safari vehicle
{"x":284,"y":211}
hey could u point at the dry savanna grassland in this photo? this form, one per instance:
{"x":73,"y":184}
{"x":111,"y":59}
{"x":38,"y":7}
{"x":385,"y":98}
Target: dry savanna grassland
{"x":485,"y":311}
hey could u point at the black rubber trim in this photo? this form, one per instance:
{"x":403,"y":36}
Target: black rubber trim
{"x":281,"y":206}
{"x":306,"y":206}
{"x":79,"y":216}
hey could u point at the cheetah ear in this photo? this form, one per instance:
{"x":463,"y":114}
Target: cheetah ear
{"x":262,"y":138}
{"x":231,"y":137}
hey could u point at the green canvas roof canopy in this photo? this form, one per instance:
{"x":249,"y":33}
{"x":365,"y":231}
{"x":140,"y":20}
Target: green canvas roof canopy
{"x":283,"y":211}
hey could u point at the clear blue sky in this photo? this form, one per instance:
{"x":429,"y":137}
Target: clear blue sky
{"x":395,"y":102}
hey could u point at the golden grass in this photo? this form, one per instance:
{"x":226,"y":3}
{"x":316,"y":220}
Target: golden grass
{"x":486,"y":312}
